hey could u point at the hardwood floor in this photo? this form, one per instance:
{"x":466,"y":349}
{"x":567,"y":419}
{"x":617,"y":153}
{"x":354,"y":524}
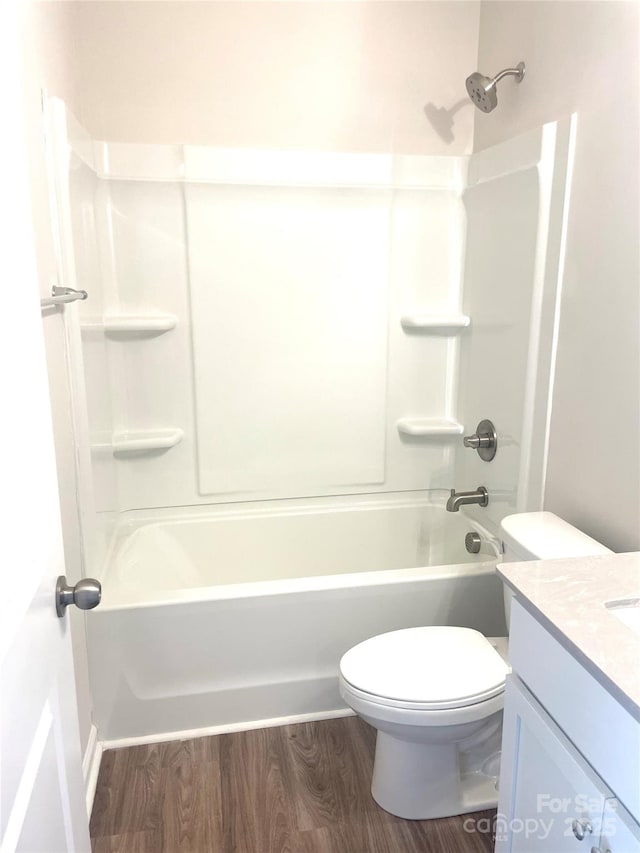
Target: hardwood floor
{"x":295,"y":789}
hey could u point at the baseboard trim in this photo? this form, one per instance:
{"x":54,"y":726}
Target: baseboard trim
{"x":91,"y":767}
{"x":227,"y":728}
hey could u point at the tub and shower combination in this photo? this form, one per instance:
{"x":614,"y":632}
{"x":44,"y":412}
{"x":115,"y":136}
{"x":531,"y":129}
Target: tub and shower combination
{"x":273,"y":432}
{"x":238,"y":619}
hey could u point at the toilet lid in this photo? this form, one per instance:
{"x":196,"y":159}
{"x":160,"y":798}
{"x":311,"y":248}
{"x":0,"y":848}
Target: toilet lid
{"x":437,"y":667}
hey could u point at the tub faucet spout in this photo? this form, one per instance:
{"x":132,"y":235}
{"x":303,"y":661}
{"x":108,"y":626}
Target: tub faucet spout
{"x":458,"y":499}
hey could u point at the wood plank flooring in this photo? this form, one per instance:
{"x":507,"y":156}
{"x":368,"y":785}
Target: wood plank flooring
{"x":295,"y":789}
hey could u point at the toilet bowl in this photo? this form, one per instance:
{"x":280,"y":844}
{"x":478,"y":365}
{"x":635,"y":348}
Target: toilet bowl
{"x":435,"y":695}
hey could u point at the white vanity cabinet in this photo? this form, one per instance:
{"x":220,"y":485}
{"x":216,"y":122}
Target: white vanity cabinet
{"x":570,"y":759}
{"x":553,"y":801}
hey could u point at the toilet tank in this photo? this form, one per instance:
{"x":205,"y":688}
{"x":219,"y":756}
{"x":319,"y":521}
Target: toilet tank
{"x":542,"y":536}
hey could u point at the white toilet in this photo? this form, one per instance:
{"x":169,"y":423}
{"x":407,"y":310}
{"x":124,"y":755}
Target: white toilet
{"x":435,"y":694}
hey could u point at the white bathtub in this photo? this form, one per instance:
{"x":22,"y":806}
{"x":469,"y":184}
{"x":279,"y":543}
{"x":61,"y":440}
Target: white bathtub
{"x":239,"y":618}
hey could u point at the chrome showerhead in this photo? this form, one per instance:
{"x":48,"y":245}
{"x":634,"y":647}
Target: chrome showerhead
{"x":482,"y":90}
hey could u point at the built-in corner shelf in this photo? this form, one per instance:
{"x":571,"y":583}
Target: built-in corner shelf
{"x":436,"y":323}
{"x":142,"y":440}
{"x":123,"y":324}
{"x":429,"y":427}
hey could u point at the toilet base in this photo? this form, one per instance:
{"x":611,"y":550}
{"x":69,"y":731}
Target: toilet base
{"x":423,"y":781}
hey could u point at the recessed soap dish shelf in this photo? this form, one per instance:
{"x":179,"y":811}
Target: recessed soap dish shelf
{"x":441,"y":323}
{"x":143,"y":440}
{"x":429,"y":427}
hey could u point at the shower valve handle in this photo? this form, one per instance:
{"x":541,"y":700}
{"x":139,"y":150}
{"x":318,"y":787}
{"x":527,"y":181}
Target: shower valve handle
{"x":476,"y":441}
{"x":484,"y":440}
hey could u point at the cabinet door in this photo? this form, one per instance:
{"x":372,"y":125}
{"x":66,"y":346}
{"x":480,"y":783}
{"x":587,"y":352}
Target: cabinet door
{"x":619,"y":832}
{"x":550,"y":799}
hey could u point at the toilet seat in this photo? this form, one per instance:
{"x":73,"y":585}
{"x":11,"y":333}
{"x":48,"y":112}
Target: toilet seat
{"x":425,"y":669}
{"x":421,"y":716}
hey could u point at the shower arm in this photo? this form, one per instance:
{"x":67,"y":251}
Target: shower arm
{"x":518,"y":72}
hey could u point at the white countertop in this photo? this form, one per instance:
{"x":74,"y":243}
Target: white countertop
{"x":568,"y":596}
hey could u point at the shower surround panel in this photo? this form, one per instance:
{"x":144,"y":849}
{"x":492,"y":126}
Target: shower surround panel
{"x":287,"y":368}
{"x":258,"y":321}
{"x":289,"y":293}
{"x":517,"y":203}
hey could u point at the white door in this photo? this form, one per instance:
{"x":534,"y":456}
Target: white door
{"x":42,"y":808}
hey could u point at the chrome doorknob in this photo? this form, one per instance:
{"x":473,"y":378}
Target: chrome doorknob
{"x":86,"y":594}
{"x":484,"y":440}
